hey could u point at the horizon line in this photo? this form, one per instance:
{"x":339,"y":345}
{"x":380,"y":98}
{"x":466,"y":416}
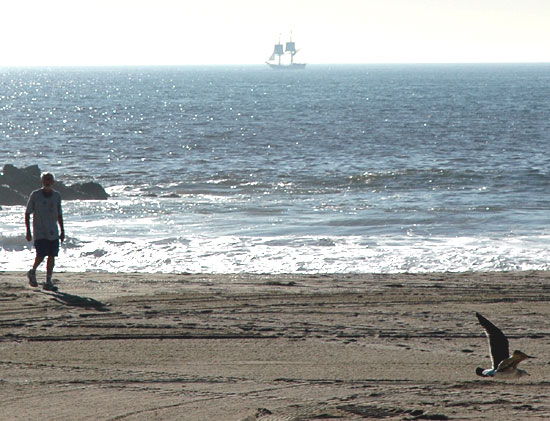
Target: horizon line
{"x":20,"y":66}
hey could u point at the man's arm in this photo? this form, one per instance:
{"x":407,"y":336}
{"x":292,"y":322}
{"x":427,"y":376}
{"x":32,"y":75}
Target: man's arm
{"x":61,"y":227}
{"x":28,"y":211}
{"x":28,"y":225}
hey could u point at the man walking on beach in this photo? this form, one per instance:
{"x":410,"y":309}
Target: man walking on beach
{"x":45,"y":205}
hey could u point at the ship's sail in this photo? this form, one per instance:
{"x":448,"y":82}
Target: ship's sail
{"x":278,"y":50}
{"x":290,"y":46}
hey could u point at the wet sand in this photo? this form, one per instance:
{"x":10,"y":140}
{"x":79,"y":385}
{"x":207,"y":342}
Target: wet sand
{"x":112,"y":346}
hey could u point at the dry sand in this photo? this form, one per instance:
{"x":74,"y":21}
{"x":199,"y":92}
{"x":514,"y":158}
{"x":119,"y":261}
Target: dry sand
{"x":114,"y":346}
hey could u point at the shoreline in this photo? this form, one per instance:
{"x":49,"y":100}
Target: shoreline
{"x":138,"y":346}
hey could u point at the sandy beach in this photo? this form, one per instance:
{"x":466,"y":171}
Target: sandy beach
{"x":113,"y":346}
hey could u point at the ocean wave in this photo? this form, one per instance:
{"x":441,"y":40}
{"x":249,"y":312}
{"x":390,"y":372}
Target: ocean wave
{"x":14,"y":243}
{"x":429,"y":181}
{"x":292,"y":254}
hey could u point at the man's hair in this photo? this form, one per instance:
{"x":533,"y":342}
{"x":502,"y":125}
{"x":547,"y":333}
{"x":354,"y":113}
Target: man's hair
{"x":47,"y":174}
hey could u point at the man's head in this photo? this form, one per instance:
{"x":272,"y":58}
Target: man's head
{"x":48,"y":180}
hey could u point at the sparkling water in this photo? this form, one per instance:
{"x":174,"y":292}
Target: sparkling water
{"x":330,"y":169}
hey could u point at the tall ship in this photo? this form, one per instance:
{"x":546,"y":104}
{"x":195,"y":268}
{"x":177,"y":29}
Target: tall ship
{"x":277,"y":60}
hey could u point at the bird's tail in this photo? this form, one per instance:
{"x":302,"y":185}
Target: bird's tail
{"x":479,"y":372}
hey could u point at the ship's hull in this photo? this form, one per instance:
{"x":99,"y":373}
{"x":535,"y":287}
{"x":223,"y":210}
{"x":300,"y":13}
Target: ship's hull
{"x":293,"y":66}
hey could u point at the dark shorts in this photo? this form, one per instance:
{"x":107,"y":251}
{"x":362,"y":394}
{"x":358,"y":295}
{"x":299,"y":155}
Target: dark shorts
{"x":46,"y":248}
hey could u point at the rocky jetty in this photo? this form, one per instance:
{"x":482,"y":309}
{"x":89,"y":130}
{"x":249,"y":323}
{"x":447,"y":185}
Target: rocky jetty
{"x":16,"y":184}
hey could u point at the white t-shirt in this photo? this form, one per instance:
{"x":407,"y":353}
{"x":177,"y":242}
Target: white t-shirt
{"x":46,"y":211}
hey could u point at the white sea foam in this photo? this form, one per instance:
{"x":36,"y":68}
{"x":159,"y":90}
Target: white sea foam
{"x":229,"y":254}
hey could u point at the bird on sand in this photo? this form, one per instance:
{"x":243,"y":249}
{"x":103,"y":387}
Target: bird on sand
{"x":504,"y":365}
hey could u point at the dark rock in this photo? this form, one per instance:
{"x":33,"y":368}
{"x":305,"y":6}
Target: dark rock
{"x":23,"y":181}
{"x":16,"y":184}
{"x":10,"y":197}
{"x":81,"y":191}
{"x":92,"y":189}
{"x":12,"y":171}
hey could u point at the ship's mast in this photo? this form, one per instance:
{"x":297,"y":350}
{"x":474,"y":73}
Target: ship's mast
{"x":277,"y":51}
{"x":291,"y":48}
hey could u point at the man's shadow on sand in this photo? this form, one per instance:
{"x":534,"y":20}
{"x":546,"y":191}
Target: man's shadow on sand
{"x":77,"y":301}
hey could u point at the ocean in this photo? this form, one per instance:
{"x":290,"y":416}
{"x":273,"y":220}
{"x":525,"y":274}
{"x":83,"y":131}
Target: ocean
{"x":371,"y":168}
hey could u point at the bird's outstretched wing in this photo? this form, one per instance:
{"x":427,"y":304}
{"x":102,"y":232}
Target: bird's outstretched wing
{"x":498,"y":343}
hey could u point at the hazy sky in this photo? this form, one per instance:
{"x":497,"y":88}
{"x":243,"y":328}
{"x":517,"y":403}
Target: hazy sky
{"x":172,"y":32}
